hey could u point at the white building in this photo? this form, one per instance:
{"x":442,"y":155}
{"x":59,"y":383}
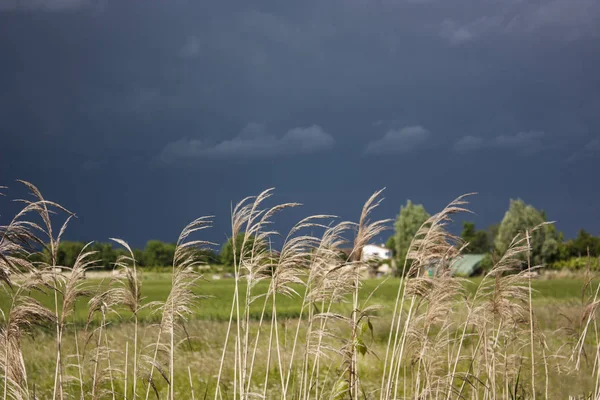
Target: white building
{"x":371,"y":251}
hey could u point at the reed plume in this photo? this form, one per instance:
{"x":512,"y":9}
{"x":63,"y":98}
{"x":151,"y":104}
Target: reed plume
{"x":181,"y":300}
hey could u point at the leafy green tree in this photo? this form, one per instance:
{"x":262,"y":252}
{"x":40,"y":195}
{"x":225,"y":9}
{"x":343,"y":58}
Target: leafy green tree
{"x":408,"y":222}
{"x":227,"y":254}
{"x":140,"y":257}
{"x":159,"y":254}
{"x":105,"y":254}
{"x":209,"y":256}
{"x":521,"y":217}
{"x":478,"y":240}
{"x":492,"y":232}
{"x":391,"y":244}
{"x":579,"y":246}
{"x":68,"y":252}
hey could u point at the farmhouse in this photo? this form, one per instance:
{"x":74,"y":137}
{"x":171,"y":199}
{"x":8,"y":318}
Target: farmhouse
{"x":373,"y":251}
{"x":378,"y":257}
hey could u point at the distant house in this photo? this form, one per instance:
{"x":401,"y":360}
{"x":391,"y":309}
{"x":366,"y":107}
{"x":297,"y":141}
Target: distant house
{"x":466,"y":265}
{"x":373,"y":251}
{"x":381,"y":256}
{"x":370,"y":252}
{"x":377,"y":256}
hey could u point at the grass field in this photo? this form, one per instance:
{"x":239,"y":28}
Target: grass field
{"x":557,"y":303}
{"x":215,"y":304}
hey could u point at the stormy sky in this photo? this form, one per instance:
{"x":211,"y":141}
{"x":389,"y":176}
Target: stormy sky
{"x":142,"y":115}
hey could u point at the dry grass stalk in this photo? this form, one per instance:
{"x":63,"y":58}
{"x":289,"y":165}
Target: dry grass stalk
{"x":431,"y":245}
{"x":254,"y":264}
{"x":181,"y":300}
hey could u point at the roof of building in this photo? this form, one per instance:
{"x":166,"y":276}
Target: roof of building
{"x":377,"y":245}
{"x":467,"y":264}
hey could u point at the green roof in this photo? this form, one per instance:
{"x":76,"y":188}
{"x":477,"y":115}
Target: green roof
{"x":467,"y":264}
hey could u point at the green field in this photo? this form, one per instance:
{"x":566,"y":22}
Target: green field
{"x":216,"y":296}
{"x":557,"y":304}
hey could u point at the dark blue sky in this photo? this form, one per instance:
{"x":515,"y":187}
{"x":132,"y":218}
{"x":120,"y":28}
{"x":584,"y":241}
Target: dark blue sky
{"x":142,"y":115}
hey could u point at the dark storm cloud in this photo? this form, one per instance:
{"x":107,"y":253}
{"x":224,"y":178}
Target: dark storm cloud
{"x":589,"y":150}
{"x":398,"y":141}
{"x":526,"y":142}
{"x":253,"y":141}
{"x":569,"y":19}
{"x":95,"y":92}
{"x":44,"y":5}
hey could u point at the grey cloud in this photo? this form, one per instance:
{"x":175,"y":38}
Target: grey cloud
{"x":457,"y":34}
{"x":48,"y":5}
{"x":252,"y":142}
{"x":593,"y":145}
{"x":580,"y":14}
{"x":281,"y":30}
{"x":530,"y":141}
{"x":468,"y":143}
{"x":591,"y":149}
{"x":191,"y":48}
{"x":399,"y":141}
{"x":570,"y":19}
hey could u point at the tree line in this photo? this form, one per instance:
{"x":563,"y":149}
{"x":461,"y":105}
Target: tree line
{"x":155,"y":254}
{"x":549,"y":246}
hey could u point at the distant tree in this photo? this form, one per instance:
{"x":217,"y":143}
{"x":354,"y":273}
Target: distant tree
{"x":391,"y":244}
{"x":208,"y":256}
{"x":105,"y":254}
{"x":140,"y":257}
{"x":492,"y":232}
{"x":478,"y":240}
{"x":561,"y":250}
{"x":159,"y":254}
{"x":227,"y":253}
{"x":521,"y":217}
{"x":579,"y":246}
{"x":408,"y":222}
{"x":68,"y":252}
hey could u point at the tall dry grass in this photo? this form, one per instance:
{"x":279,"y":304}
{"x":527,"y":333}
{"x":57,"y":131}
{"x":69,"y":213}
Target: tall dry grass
{"x":440,"y":342}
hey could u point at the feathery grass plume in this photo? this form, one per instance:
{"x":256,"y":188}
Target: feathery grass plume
{"x":23,"y":315}
{"x":331,"y":279}
{"x":590,"y":302}
{"x":45,"y":209}
{"x":18,"y":241}
{"x":102,"y":303}
{"x":181,"y":300}
{"x":590,"y":310}
{"x":71,"y":287}
{"x":287,"y":269}
{"x":366,"y":230}
{"x":45,"y":234}
{"x":431,"y":244}
{"x":495,"y":310}
{"x":428,"y":332}
{"x":295,"y":260}
{"x":128,"y":293}
{"x":254,"y":265}
{"x":321,"y":290}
